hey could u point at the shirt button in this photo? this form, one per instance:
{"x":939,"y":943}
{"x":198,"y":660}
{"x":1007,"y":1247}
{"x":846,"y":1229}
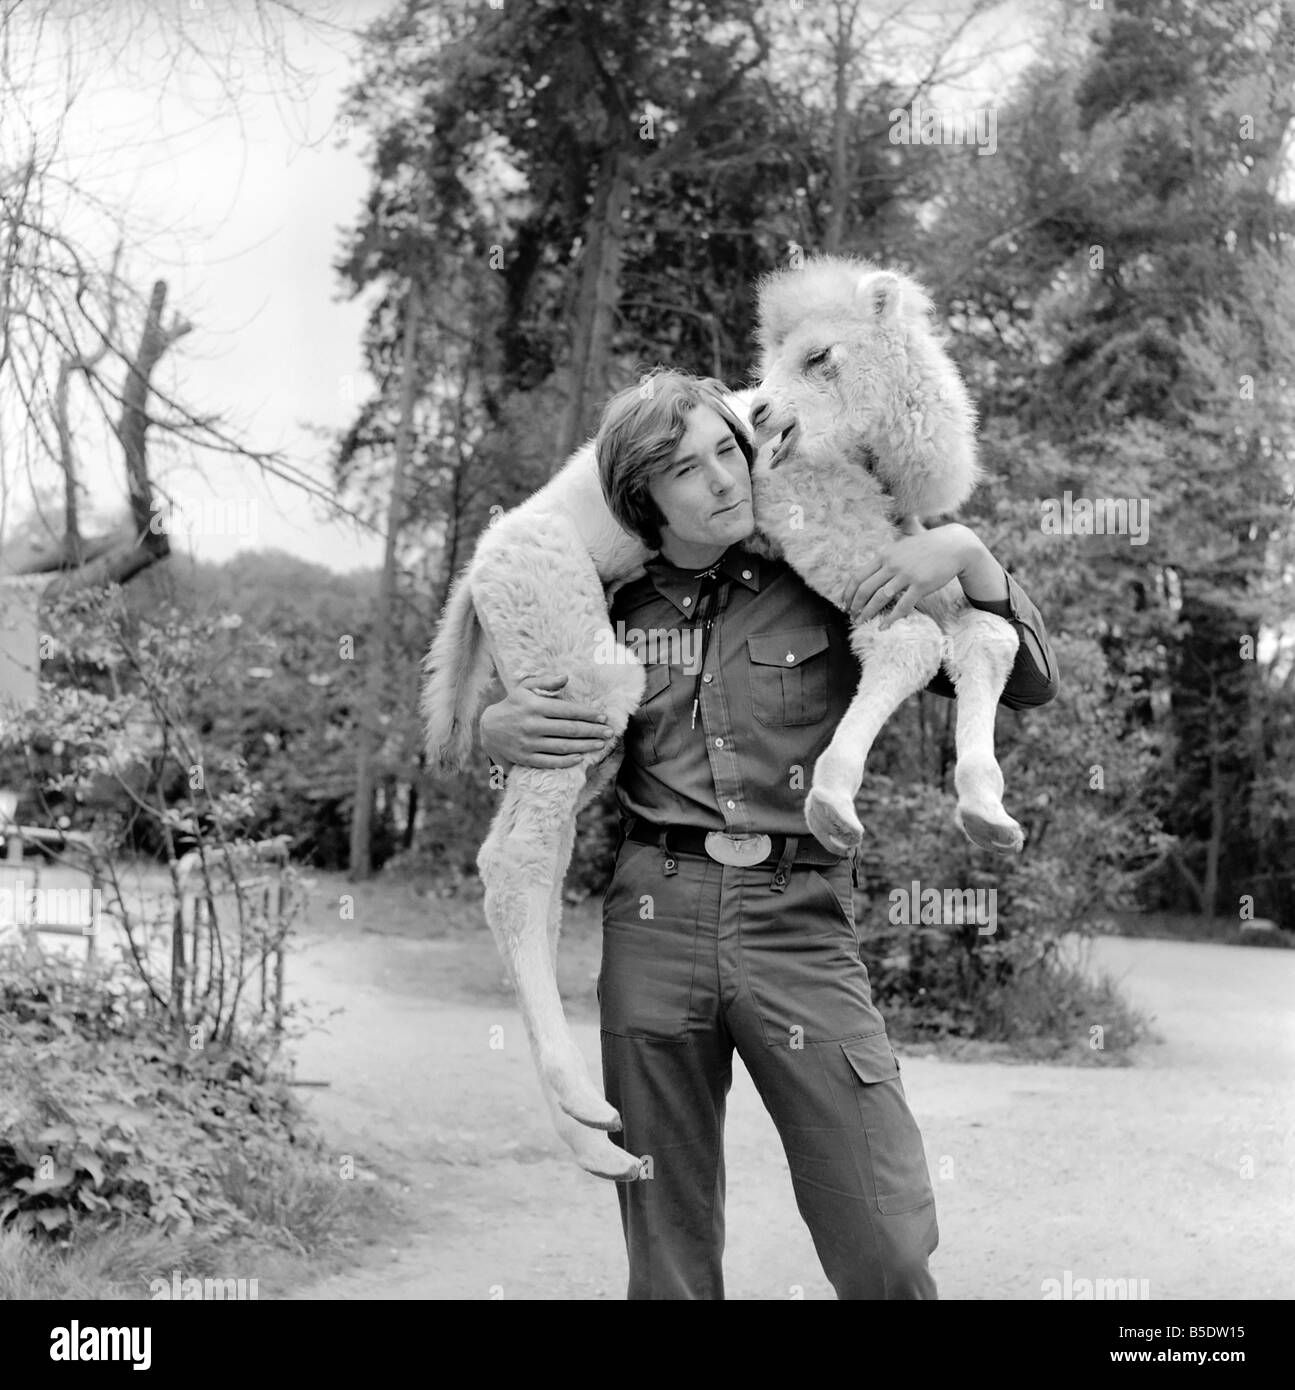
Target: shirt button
{"x":732,"y":805}
{"x":791,"y":656}
{"x":746,"y":574}
{"x":687,"y":603}
{"x":719,"y":743}
{"x":708,"y":678}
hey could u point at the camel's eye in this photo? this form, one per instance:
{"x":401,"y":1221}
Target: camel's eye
{"x":817,"y":359}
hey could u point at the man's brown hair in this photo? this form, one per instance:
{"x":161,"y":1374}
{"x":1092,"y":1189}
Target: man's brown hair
{"x":640,"y":430}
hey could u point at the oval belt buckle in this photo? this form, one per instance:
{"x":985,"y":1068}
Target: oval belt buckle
{"x":739,"y":850}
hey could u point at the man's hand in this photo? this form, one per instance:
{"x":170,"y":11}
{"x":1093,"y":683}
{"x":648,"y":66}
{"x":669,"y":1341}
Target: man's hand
{"x":531,"y":727}
{"x":910,"y":568}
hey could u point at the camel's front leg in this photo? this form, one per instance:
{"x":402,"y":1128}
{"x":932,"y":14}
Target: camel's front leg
{"x":896,"y":663}
{"x":522,"y":863}
{"x":981,"y":653}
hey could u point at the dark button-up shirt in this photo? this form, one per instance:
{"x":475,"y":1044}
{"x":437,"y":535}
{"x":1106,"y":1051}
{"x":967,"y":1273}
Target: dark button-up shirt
{"x":729,"y":743}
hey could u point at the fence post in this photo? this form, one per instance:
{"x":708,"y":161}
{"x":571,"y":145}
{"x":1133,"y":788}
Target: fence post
{"x":177,"y":963}
{"x":278,"y":955}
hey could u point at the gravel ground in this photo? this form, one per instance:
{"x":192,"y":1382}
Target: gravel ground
{"x":1177,"y":1169}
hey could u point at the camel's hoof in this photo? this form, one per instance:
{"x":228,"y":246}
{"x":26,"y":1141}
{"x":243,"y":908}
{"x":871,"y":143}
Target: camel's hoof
{"x":833,"y":825}
{"x":605,"y":1160}
{"x":593,"y":1112}
{"x":991,"y":829}
{"x":583,"y":1103}
{"x":596,"y":1154}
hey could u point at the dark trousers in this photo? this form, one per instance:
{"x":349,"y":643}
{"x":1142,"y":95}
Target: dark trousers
{"x":710,"y":958}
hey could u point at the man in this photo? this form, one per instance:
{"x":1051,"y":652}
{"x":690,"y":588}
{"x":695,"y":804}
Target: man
{"x":705,"y":949}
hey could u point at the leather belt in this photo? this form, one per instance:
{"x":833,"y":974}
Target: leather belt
{"x":728,"y":849}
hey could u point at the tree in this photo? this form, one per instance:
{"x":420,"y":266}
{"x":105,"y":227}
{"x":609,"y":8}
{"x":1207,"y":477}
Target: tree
{"x":1118,"y":281}
{"x":587,"y":106}
{"x":378,"y":658}
{"x":64,"y":306}
{"x":604,"y":187}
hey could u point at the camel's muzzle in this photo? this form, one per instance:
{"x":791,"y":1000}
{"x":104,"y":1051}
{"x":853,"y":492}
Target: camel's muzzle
{"x":785,"y":442}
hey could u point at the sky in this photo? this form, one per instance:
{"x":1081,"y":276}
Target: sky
{"x":239,"y":204}
{"x":238,"y":200}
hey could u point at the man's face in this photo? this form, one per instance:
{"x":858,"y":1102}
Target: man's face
{"x":705,"y":493}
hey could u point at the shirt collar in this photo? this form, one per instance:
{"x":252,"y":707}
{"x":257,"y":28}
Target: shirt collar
{"x":681,"y":586}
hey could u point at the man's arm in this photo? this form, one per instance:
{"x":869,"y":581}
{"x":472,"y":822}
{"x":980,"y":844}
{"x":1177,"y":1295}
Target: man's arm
{"x":1033,"y":680}
{"x":533,"y":727}
{"x":918,"y":564}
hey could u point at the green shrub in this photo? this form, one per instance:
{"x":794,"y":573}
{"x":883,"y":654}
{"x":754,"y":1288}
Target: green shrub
{"x":1022,"y":989}
{"x":1013,"y":983}
{"x":105,"y":1115}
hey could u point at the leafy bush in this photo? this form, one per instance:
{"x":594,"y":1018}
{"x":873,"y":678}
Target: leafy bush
{"x":105,"y":1115}
{"x":160,"y":698}
{"x":1012,"y":983}
{"x":1018,"y":987}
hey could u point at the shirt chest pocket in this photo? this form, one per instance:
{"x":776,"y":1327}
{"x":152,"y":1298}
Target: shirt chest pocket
{"x":655,"y":730}
{"x":788,"y":675}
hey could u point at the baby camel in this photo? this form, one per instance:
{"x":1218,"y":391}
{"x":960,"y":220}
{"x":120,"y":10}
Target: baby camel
{"x":866,"y":427}
{"x":871,"y":430}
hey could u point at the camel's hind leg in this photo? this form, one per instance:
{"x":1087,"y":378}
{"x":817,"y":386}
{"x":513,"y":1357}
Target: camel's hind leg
{"x":521,"y":863}
{"x":981,"y":653}
{"x":593,"y":1151}
{"x":541,"y":604}
{"x":896,"y":663}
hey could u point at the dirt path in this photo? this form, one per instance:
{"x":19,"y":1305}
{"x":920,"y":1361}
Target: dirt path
{"x":1177,"y":1170}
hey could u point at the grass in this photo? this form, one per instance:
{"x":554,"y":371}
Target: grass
{"x":307,"y":1220}
{"x":95,"y":1268}
{"x":114,"y":1264}
{"x":305,"y":1205}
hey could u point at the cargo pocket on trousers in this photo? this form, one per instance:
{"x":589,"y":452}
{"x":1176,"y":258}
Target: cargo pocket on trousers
{"x":894,"y":1141}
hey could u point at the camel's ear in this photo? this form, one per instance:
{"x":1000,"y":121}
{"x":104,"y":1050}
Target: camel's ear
{"x":883,"y":294}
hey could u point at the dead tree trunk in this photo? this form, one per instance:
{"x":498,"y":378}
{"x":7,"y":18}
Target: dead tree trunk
{"x":115,"y":559}
{"x":71,"y":363}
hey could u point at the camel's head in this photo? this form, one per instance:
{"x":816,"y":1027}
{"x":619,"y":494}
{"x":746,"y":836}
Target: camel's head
{"x":854,"y":373}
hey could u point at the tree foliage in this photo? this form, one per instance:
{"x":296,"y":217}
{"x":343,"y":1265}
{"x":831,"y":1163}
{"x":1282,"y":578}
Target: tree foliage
{"x":1116,"y":280}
